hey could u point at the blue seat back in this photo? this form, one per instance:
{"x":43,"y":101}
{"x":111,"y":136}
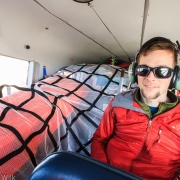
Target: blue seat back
{"x":73,"y":166}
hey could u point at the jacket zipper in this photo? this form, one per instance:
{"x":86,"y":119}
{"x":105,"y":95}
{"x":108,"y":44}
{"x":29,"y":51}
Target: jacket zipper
{"x":133,"y":162}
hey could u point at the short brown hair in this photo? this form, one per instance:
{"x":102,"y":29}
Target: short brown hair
{"x":159,"y":45}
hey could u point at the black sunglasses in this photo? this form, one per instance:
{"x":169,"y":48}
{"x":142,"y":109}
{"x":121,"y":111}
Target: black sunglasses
{"x":159,"y":72}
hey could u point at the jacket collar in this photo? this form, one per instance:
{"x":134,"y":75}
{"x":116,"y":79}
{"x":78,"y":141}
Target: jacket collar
{"x":130,"y":100}
{"x":126,"y":100}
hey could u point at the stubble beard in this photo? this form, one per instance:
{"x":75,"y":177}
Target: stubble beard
{"x":153,"y":96}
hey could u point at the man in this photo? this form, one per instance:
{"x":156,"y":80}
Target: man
{"x":140,"y":130}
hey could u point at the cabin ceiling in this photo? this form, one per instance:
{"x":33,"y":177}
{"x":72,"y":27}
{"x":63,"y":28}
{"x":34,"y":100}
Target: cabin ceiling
{"x":64,"y":30}
{"x":163,"y":20}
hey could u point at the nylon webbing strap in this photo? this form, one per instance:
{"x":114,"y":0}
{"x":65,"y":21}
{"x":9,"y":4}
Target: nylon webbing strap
{"x":91,"y":105}
{"x":69,"y":122}
{"x":24,"y":143}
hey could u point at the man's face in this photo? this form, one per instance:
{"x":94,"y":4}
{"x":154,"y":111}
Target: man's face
{"x":150,"y":86}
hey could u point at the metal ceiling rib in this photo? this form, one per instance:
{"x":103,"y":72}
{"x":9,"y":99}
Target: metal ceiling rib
{"x":146,"y":8}
{"x":124,"y":19}
{"x":111,"y":33}
{"x":163,"y":20}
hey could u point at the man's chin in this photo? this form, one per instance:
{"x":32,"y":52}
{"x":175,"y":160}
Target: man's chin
{"x":150,"y":94}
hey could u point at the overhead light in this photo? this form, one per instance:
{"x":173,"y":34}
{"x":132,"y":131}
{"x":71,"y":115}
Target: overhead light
{"x":83,"y":1}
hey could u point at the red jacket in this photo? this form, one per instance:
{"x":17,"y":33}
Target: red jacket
{"x":127,"y":138}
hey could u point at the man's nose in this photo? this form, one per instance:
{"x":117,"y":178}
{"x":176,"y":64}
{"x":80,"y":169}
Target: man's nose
{"x":150,"y":76}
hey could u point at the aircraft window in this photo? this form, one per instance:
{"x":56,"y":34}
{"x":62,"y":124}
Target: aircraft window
{"x":12,"y":72}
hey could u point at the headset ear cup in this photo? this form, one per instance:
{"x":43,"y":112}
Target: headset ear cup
{"x":177,"y":79}
{"x":172,"y":83}
{"x":131,"y":72}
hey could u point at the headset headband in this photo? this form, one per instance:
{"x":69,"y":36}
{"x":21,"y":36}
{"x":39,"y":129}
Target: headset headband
{"x":155,"y":39}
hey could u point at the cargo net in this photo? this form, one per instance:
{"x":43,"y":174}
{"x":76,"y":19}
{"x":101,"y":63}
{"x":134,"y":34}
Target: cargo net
{"x":58,"y":113}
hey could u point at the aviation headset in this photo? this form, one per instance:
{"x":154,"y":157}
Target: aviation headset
{"x":175,"y":81}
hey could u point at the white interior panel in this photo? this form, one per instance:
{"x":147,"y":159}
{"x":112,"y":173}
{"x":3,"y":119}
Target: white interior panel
{"x":163,"y":20}
{"x":70,"y":47}
{"x":21,"y":24}
{"x":63,"y":44}
{"x":124,"y":19}
{"x":81,"y":33}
